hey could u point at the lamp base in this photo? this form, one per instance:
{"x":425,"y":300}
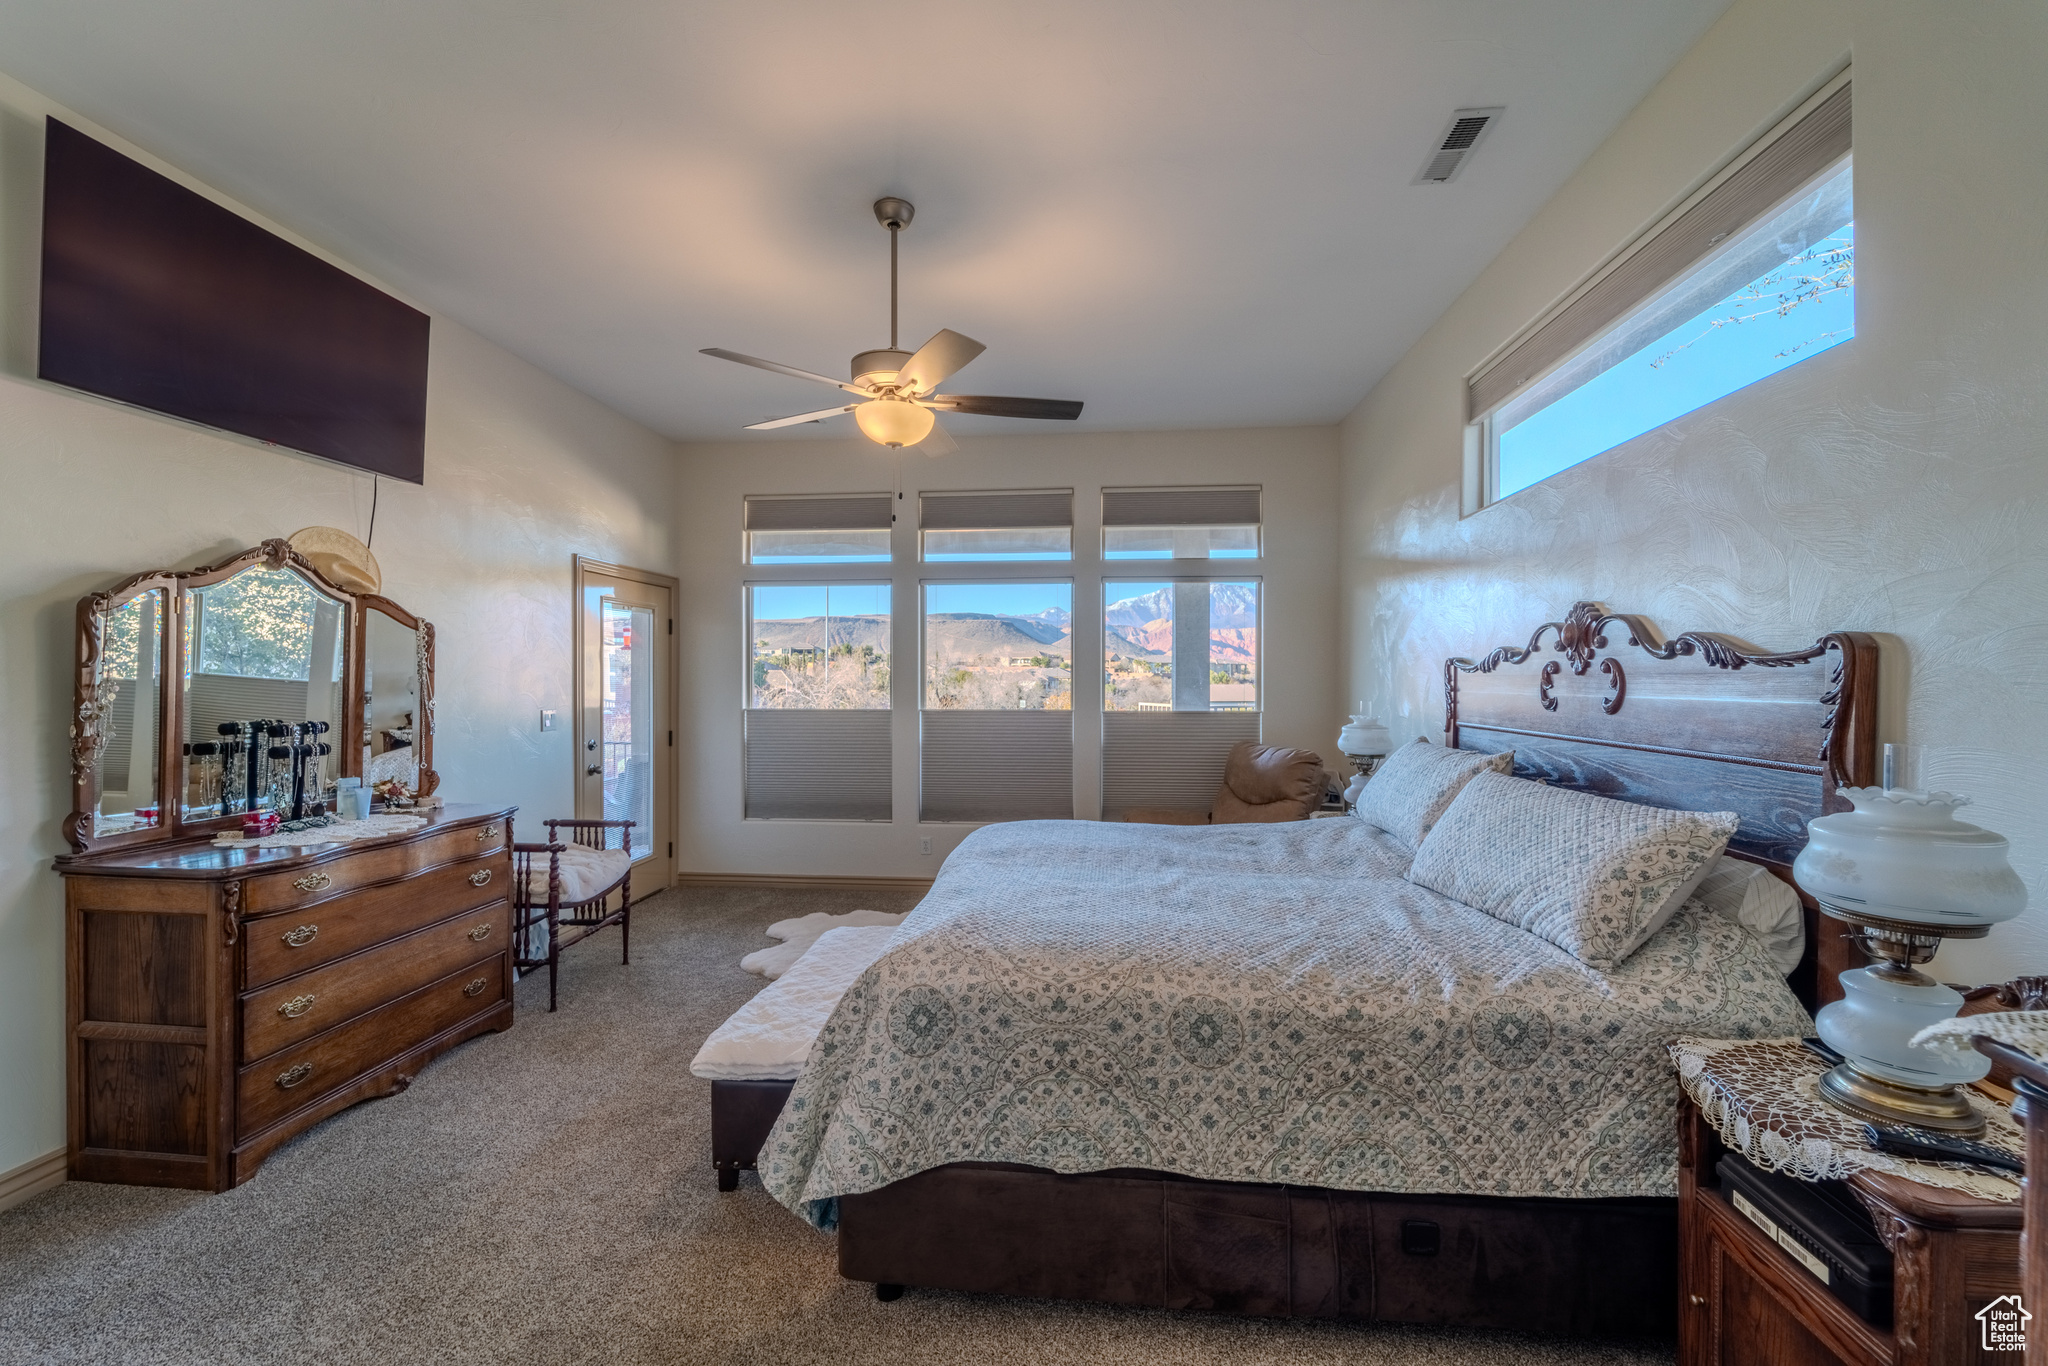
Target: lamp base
{"x":1944,"y":1109}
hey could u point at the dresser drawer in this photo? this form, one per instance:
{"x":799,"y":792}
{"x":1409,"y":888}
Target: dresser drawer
{"x":299,"y":1007}
{"x":376,"y":862}
{"x":269,"y":1090}
{"x":280,"y":945}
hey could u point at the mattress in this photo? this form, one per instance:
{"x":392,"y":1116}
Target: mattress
{"x":1272,"y":1004}
{"x":769,"y":1037}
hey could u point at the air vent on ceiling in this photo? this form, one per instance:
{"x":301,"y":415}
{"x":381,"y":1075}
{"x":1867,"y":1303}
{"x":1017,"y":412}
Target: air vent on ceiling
{"x":1460,"y":136}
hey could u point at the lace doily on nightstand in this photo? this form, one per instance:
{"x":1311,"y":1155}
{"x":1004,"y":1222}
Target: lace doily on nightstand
{"x":1763,"y":1097}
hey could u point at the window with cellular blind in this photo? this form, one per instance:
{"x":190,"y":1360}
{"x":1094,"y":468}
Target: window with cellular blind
{"x":1012,"y":525}
{"x":817,"y":715}
{"x":842,"y":528}
{"x":1215,"y":523}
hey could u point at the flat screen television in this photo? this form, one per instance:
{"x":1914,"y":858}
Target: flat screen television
{"x":157,"y":296}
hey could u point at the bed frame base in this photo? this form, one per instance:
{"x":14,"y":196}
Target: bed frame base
{"x":1583,"y":1268}
{"x":742,"y":1113}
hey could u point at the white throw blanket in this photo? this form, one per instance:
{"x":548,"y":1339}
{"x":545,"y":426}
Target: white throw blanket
{"x":799,"y":934}
{"x":769,"y":1037}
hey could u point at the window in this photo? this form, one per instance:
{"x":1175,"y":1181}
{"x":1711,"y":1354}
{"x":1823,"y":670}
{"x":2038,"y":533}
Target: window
{"x":818,"y":647}
{"x":997,"y":526}
{"x":1180,"y":524}
{"x":817,"y":714}
{"x":1755,"y":276}
{"x":1180,"y":646}
{"x":997,"y":731}
{"x":1180,"y":688}
{"x":825,"y":529}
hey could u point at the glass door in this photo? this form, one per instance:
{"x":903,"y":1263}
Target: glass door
{"x":626,"y":722}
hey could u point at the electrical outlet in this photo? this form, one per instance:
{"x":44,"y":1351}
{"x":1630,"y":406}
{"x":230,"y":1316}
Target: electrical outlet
{"x":547,"y":720}
{"x":924,"y":844}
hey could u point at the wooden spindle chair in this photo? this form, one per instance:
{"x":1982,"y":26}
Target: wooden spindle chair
{"x":533,"y":915}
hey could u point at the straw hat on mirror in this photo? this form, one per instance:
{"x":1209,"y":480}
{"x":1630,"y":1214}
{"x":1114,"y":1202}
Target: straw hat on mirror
{"x":340,"y":558}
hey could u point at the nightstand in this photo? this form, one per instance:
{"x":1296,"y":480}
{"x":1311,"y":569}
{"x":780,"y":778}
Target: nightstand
{"x":1743,"y":1300}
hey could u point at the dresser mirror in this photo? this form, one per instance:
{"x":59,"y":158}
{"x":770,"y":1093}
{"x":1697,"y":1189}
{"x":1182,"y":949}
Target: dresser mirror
{"x":184,"y":675}
{"x":266,"y":653}
{"x":398,"y":696}
{"x":117,"y":720}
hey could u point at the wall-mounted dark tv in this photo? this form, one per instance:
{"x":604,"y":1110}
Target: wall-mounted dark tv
{"x":159,"y":297}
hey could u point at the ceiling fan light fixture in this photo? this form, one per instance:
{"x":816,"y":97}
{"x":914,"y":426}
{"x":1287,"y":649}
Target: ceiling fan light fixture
{"x":894,"y":421}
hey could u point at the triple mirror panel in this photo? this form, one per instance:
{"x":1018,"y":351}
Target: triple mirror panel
{"x":279,"y":684}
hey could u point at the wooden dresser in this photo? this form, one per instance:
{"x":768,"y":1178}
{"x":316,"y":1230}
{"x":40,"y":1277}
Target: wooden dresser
{"x":220,"y":1002}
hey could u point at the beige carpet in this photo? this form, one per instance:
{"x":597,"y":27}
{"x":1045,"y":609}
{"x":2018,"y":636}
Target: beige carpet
{"x":546,"y":1195}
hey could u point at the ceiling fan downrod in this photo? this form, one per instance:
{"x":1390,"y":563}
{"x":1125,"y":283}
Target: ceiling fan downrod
{"x":895,"y":215}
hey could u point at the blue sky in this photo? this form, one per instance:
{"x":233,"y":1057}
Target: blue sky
{"x":1003,"y":599}
{"x":779,"y":603}
{"x":1634,"y":397}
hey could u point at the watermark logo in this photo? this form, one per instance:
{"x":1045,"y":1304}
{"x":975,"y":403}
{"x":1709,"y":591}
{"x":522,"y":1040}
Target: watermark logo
{"x":2005,"y":1324}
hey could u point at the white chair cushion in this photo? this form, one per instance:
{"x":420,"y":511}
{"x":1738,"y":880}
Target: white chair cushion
{"x":585,"y":873}
{"x":1594,"y":876}
{"x":1415,"y":785}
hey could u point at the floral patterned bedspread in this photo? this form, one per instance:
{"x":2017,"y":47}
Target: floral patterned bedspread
{"x":1267,"y":1003}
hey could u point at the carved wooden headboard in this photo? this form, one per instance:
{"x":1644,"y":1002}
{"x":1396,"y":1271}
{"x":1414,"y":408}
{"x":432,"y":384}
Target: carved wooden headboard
{"x":1700,"y":722}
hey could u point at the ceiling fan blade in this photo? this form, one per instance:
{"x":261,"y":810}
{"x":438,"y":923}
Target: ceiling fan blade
{"x":789,"y":370}
{"x":946,"y":352}
{"x":985,"y":405}
{"x":818,"y":416}
{"x":938,"y":441}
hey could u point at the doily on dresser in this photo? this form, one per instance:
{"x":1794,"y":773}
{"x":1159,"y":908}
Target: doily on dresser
{"x":341,"y":832}
{"x":2026,"y":1030}
{"x":1763,"y":1096}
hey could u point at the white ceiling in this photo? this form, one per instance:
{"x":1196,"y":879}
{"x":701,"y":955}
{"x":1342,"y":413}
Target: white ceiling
{"x":1189,"y":213}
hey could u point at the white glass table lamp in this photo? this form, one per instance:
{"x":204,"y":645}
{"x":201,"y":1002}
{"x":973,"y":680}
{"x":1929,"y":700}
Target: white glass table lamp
{"x":1364,"y":742}
{"x":1905,"y":874}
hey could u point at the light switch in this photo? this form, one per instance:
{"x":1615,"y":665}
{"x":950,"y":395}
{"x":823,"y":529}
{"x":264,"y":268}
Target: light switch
{"x":547,"y":719}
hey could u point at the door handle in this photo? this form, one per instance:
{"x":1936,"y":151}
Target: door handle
{"x":592,"y":770}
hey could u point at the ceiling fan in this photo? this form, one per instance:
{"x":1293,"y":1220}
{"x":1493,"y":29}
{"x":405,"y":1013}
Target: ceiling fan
{"x":895,"y":393}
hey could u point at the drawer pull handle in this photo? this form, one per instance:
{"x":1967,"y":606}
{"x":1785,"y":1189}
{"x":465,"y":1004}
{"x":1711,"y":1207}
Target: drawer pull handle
{"x":313,"y":882}
{"x":480,"y":933}
{"x":489,"y":832}
{"x":293,"y":1075}
{"x":476,"y":987}
{"x":295,"y":1007}
{"x":479,"y":877}
{"x":300,"y":937}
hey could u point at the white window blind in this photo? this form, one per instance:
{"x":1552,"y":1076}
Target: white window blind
{"x":1775,"y":169}
{"x":1168,"y":759}
{"x":817,"y":765}
{"x":819,"y":528}
{"x":1181,"y":523}
{"x":998,"y":766}
{"x":998,"y":525}
{"x":1181,"y":507}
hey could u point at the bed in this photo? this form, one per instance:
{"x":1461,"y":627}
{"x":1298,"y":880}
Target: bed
{"x":1255,"y":1070}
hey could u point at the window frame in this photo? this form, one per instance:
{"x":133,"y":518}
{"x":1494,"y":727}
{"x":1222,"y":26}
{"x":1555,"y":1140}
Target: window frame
{"x":747,"y":588}
{"x":1806,"y":146}
{"x":1258,"y":706}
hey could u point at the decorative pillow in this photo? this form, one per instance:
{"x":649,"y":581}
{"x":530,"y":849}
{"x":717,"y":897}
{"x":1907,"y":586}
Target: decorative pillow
{"x":1764,"y":905}
{"x":1415,"y":785}
{"x":1595,"y":877}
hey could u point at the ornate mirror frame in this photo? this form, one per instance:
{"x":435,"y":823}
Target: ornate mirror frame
{"x":89,"y":710}
{"x":358,"y":684}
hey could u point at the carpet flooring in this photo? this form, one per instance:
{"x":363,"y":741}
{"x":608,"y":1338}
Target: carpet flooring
{"x":546,"y":1196}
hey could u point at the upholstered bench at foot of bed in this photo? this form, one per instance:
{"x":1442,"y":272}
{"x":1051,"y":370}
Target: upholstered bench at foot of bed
{"x":1603,"y":1268}
{"x":742,"y":1113}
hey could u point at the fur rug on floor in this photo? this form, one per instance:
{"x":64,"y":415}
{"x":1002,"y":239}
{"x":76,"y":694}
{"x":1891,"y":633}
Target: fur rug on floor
{"x":802,"y":932}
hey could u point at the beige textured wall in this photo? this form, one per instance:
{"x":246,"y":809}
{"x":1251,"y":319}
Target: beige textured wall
{"x":522,"y":473}
{"x":1895,"y":484}
{"x":1297,"y":466}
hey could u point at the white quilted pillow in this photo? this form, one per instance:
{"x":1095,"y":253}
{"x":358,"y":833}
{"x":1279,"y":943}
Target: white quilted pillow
{"x":1759,"y":902}
{"x":1415,"y":785}
{"x":1594,"y":876}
